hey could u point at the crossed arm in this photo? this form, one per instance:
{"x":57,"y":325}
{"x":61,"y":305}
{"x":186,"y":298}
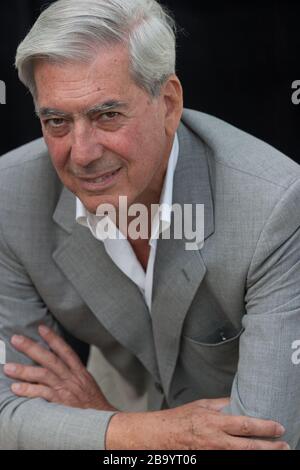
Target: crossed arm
{"x":61,"y":378}
{"x":61,"y":399}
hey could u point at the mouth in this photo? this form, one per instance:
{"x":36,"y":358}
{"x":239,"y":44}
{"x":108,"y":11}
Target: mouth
{"x":101,"y":181}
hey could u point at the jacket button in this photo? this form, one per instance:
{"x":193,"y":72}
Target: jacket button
{"x":159,"y":387}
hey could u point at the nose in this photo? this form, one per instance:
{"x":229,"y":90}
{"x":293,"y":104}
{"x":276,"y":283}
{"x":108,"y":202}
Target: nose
{"x":86,"y":147}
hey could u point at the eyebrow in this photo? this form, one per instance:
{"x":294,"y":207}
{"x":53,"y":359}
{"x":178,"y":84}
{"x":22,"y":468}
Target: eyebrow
{"x":102,"y":107}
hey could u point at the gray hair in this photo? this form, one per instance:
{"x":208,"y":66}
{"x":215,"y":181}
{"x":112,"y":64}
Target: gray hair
{"x":74,"y":30}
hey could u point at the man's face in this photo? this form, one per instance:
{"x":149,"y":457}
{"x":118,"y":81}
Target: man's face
{"x":106,"y":136}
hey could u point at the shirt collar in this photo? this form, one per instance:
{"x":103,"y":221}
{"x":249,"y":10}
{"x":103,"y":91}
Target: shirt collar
{"x":162,"y":219}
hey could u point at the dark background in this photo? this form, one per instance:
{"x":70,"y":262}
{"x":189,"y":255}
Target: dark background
{"x":236,"y":59}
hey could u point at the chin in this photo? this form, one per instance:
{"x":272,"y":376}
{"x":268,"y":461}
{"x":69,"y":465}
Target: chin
{"x":91,"y":203}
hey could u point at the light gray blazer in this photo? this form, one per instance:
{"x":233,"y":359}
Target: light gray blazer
{"x":243,"y":285}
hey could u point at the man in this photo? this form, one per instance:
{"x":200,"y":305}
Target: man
{"x":188,"y":326}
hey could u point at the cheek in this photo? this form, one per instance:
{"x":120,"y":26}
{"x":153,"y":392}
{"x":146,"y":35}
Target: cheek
{"x":149,"y":148}
{"x":146,"y":142}
{"x":58,"y":151}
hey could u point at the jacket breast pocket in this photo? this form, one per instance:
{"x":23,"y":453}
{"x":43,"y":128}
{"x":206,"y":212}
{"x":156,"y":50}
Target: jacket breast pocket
{"x":209,"y":367}
{"x":220,"y":338}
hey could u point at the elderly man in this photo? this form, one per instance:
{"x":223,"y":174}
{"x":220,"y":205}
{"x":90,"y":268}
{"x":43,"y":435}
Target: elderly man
{"x":187,"y":327}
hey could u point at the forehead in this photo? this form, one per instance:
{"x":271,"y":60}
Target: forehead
{"x":78,"y":84}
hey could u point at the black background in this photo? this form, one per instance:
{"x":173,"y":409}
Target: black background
{"x":236,"y":60}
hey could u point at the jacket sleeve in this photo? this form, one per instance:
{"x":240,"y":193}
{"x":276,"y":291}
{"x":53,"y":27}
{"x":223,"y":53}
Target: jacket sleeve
{"x":35,"y":423}
{"x":267,"y":383}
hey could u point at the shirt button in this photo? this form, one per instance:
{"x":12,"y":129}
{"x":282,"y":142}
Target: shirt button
{"x":158,"y":387}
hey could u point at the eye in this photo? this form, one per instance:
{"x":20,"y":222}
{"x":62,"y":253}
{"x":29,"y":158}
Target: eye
{"x":55,"y":122}
{"x":109,"y":116}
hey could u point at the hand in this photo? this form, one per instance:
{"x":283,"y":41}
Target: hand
{"x":197,"y":425}
{"x":62,"y":378}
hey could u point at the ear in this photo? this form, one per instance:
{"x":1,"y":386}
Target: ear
{"x":173,"y":101}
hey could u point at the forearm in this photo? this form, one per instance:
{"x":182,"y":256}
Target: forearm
{"x":133,"y":431}
{"x":267,"y":382}
{"x":196,"y":425}
{"x":37,"y":425}
{"x":280,"y":411}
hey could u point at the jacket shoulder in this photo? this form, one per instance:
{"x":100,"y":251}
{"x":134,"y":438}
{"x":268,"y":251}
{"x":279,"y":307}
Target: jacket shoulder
{"x":241,"y":152}
{"x":26,"y":153}
{"x":28,"y":180}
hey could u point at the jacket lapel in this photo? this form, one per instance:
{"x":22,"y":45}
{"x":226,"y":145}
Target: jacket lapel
{"x":179,"y":272}
{"x":110,"y":295}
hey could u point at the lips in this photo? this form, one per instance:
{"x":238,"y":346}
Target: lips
{"x":100,"y":178}
{"x":100,"y":182}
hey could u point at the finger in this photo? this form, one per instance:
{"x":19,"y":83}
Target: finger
{"x":33,"y":374}
{"x":32,"y":391}
{"x":40,"y":355}
{"x":239,"y":443}
{"x":215,"y":404}
{"x":245,"y":426}
{"x":61,"y":348}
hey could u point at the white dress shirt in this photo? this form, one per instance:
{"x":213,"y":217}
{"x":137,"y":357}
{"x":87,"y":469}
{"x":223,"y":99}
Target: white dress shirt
{"x":119,"y":248}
